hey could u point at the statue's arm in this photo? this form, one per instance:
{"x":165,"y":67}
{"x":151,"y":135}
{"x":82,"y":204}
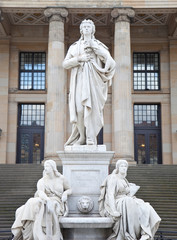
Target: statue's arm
{"x":111,"y":193}
{"x":70,"y":60}
{"x":41,"y":190}
{"x":67,"y":190}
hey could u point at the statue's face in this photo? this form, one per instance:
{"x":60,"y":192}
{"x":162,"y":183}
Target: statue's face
{"x":87,"y":29}
{"x":123,"y":168}
{"x":85,"y":204}
{"x":48,"y":168}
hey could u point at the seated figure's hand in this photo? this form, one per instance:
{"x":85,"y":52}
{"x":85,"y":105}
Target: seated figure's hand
{"x":50,"y":206}
{"x":64,"y":198}
{"x":84,"y":57}
{"x":116,"y":214}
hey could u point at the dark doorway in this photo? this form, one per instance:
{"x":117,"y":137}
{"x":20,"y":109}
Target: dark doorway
{"x":30,"y":142}
{"x":147,"y":134}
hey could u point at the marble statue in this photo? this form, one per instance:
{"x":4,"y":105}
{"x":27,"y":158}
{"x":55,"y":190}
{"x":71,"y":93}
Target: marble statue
{"x":133,"y":218}
{"x":38,"y":219}
{"x":92,"y":70}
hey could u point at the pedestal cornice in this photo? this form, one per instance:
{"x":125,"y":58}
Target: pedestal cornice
{"x":122,"y":14}
{"x":56,"y":14}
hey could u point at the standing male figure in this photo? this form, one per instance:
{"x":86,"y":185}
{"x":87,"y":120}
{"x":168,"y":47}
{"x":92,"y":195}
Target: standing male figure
{"x":92,"y":72}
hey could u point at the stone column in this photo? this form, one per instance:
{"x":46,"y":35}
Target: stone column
{"x":56,"y":84}
{"x":4,"y":87}
{"x":123,"y":140}
{"x":173,"y":96}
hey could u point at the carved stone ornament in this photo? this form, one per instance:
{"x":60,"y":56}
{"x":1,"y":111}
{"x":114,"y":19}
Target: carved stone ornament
{"x":122,"y":14}
{"x":56,"y":14}
{"x":85,"y":204}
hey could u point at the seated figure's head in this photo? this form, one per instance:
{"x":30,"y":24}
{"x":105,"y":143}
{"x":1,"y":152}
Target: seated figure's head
{"x":50,"y":164}
{"x":123,"y":164}
{"x":85,"y":204}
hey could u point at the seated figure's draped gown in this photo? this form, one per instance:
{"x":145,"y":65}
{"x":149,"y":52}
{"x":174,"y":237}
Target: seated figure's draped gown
{"x":137,"y":217}
{"x":32,"y":218}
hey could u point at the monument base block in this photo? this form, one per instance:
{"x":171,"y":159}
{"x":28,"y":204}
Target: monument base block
{"x":85,"y":172}
{"x":91,"y":228}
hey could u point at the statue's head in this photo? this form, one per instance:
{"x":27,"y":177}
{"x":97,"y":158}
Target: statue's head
{"x":51,"y":164}
{"x":87,"y":22}
{"x":121,"y":163}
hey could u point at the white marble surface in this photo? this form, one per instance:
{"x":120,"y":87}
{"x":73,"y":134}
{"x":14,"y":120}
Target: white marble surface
{"x":92,"y":70}
{"x":85,"y":172}
{"x":85,"y":148}
{"x":134,"y":218}
{"x":83,"y":222}
{"x":38,"y":218}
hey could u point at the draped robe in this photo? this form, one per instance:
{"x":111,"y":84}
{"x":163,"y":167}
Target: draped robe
{"x":33,"y":218}
{"x":96,"y":76}
{"x":137,"y":216}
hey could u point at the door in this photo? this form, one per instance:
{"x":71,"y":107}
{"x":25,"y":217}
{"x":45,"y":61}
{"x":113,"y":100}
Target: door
{"x":148,"y":146}
{"x":30,"y":133}
{"x":30,"y":145}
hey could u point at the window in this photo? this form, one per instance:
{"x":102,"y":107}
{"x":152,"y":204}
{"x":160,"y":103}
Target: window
{"x":32,"y":71}
{"x":146,"y":71}
{"x":31,"y":115}
{"x":146,"y":116}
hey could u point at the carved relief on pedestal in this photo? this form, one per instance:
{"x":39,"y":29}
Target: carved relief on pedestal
{"x":85,"y":204}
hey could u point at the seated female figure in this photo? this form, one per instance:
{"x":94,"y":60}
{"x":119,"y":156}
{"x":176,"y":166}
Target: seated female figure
{"x":38,"y":219}
{"x":133,"y":218}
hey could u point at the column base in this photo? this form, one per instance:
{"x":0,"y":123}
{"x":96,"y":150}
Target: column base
{"x":52,"y":156}
{"x":129,"y":159}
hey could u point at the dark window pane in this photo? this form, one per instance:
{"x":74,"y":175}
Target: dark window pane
{"x":24,"y":155}
{"x":141,"y":148}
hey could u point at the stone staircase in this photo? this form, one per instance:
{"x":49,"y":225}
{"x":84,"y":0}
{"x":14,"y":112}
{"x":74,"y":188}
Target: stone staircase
{"x":158,"y":186}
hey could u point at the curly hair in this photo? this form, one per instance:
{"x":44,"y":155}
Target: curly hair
{"x":90,"y":22}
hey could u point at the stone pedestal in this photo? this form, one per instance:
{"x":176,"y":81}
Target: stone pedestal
{"x":122,"y":100}
{"x":85,"y":172}
{"x":92,"y":228}
{"x":56,"y":88}
{"x":85,"y":168}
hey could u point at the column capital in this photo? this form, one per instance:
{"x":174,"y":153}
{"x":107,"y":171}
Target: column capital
{"x":122,"y":14}
{"x":56,"y":14}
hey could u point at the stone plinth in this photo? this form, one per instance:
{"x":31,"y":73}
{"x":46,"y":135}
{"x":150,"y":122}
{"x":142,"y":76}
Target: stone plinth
{"x":92,"y":228}
{"x":85,"y":172}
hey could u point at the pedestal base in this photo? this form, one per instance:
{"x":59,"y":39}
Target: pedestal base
{"x":92,"y":228}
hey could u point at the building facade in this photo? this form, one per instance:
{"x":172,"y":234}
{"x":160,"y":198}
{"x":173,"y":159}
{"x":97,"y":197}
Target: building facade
{"x":141,"y":111}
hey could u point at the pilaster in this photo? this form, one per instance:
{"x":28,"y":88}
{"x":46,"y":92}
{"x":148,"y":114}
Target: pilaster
{"x":56,"y":84}
{"x":123,"y":141}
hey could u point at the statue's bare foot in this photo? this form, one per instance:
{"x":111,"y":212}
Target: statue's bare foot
{"x":90,"y":141}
